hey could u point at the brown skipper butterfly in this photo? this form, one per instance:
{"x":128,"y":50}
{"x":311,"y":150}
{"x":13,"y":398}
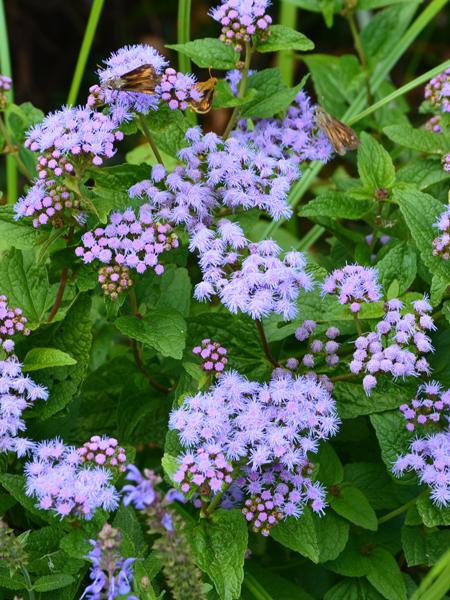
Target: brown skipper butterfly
{"x":207,"y":89}
{"x":341,"y":137}
{"x":143,"y":79}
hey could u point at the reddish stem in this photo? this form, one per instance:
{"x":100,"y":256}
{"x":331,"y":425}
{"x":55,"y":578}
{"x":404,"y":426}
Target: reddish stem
{"x":143,"y":370}
{"x":265,"y":344}
{"x":60,"y":294}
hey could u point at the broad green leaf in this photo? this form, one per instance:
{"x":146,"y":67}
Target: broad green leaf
{"x":11,"y":582}
{"x":168,"y":128}
{"x":284,"y":38}
{"x":423,"y":546}
{"x":219,"y":546}
{"x":161,"y":329}
{"x":385,"y":575}
{"x":20,"y":234}
{"x":224,"y":97}
{"x":43,"y":358}
{"x":277,"y":587}
{"x":175,"y":290}
{"x":378,"y":487}
{"x":208,"y":53}
{"x":331,"y":470}
{"x":437,"y":290}
{"x":421,"y":212}
{"x":337,"y":205}
{"x":418,"y":139}
{"x":127,"y":522}
{"x":375,"y":166}
{"x":48,"y":583}
{"x":318,"y":538}
{"x":399,"y":264}
{"x":353,"y":505}
{"x":353,"y":589}
{"x":353,"y":561}
{"x":432,"y":515}
{"x":352,"y":401}
{"x":423,"y":172}
{"x":26,"y":285}
{"x":76,"y":545}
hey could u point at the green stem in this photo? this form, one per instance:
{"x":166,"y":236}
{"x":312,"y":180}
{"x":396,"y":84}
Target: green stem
{"x":342,"y":377}
{"x":255,"y":588}
{"x":286,"y":60}
{"x":310,"y":238}
{"x":27,"y":578}
{"x":265,"y":344}
{"x":183,"y":32}
{"x":357,"y":324}
{"x":242,"y":89}
{"x":213,"y":504}
{"x":5,"y":69}
{"x":360,"y":51}
{"x":397,"y":511}
{"x":436,"y":582}
{"x":12,"y":150}
{"x":89,"y":34}
{"x":150,"y":140}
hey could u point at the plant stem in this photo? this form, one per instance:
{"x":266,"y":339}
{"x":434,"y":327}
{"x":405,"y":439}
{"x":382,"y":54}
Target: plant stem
{"x":397,"y":511}
{"x":360,"y":51}
{"x":150,"y":140}
{"x":286,"y":61}
{"x":310,"y":238}
{"x":213,"y":504}
{"x":133,"y":303}
{"x":27,"y":578}
{"x":12,"y":150}
{"x":89,"y":34}
{"x":342,"y":377}
{"x":242,"y":89}
{"x":265,"y":343}
{"x":59,"y":294}
{"x":183,"y":32}
{"x":255,"y":588}
{"x":5,"y":69}
{"x":357,"y":324}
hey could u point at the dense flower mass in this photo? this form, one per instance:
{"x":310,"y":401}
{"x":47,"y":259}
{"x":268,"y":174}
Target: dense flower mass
{"x":213,"y":356}
{"x":69,"y":137}
{"x":110,"y":573}
{"x":266,"y":428}
{"x":104,"y":452}
{"x":441,"y":244}
{"x":12,"y":322}
{"x":429,"y":457}
{"x":429,"y":409}
{"x":178,"y":89}
{"x":48,"y":201}
{"x":437,"y":91}
{"x":57,"y":478}
{"x":397,"y":345}
{"x":353,"y":284}
{"x":241,"y":19}
{"x":127,"y":241}
{"x":17,"y":393}
{"x":248,"y":277}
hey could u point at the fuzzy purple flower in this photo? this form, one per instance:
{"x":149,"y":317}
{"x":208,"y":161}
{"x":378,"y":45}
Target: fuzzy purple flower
{"x":441,"y":244}
{"x":430,"y":409}
{"x":437,"y":91}
{"x":353,"y":284}
{"x":241,"y":19}
{"x":429,"y":458}
{"x":12,"y":322}
{"x":213,"y":356}
{"x":103,"y":451}
{"x":17,"y":393}
{"x":178,"y":89}
{"x":234,"y":77}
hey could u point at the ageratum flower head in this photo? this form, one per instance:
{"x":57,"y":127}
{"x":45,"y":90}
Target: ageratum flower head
{"x":437,"y":91}
{"x":71,"y":138}
{"x":319,"y":349}
{"x":12,"y":322}
{"x":441,"y":244}
{"x":60,"y":482}
{"x":178,"y":89}
{"x":430,"y":409}
{"x":446,"y":162}
{"x":353,"y":284}
{"x":397,"y":345}
{"x":429,"y":458}
{"x":241,"y":19}
{"x":213,"y":356}
{"x":104,"y":452}
{"x":17,"y":393}
{"x":248,"y":277}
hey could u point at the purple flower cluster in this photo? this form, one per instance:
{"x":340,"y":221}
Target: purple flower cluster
{"x":178,"y":89}
{"x":5,"y":86}
{"x":446,"y":162}
{"x":114,"y":280}
{"x":17,"y":393}
{"x":441,"y":244}
{"x":111,"y":574}
{"x":429,"y":457}
{"x":241,"y":19}
{"x":249,"y":277}
{"x":353,"y":284}
{"x":325,"y":349}
{"x":396,"y":345}
{"x":104,"y":452}
{"x":127,"y":241}
{"x":234,"y":77}
{"x":12,"y":322}
{"x":57,"y":478}
{"x":71,"y":137}
{"x":48,"y":201}
{"x":434,"y":124}
{"x":239,"y":427}
{"x":430,"y":407}
{"x":213,"y":356}
{"x":437,"y":91}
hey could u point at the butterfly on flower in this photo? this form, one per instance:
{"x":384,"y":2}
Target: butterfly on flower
{"x":341,"y":137}
{"x":143,"y":79}
{"x":207,"y":89}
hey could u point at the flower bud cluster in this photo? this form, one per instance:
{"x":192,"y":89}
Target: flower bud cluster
{"x":318,"y":348}
{"x":446,"y":162}
{"x":430,"y":408}
{"x":5,"y":86}
{"x":441,"y":244}
{"x":241,"y":19}
{"x":397,"y":345}
{"x":12,"y":322}
{"x":103,"y":452}
{"x":434,"y":124}
{"x":178,"y":89}
{"x":48,"y":201}
{"x":437,"y":91}
{"x":213,"y":356}
{"x":206,"y":470}
{"x":114,"y":280}
{"x":353,"y":284}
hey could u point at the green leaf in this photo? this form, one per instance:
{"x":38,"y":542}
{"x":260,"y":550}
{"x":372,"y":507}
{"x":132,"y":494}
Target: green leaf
{"x":224,"y":97}
{"x":48,"y":583}
{"x":377,"y":485}
{"x":208,"y":53}
{"x":318,"y":538}
{"x":353,"y":589}
{"x":43,"y":358}
{"x":331,"y":470}
{"x":175,"y":290}
{"x":431,"y":515}
{"x":19,"y":234}
{"x":422,"y":172}
{"x":337,"y":205}
{"x":437,"y":290}
{"x":11,"y":582}
{"x":371,"y":4}
{"x":352,"y":401}
{"x":375,"y":166}
{"x":352,"y":504}
{"x":26,"y":285}
{"x":161,"y":329}
{"x":418,"y":139}
{"x":15,"y":485}
{"x":423,"y":546}
{"x":76,"y":545}
{"x":420,"y":212}
{"x":398,"y":264}
{"x":219,"y":545}
{"x":284,"y":38}
{"x":385,"y":575}
{"x":168,"y":128}
{"x":277,"y":587}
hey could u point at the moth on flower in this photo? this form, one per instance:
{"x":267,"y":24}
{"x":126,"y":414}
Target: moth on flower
{"x":207,"y":89}
{"x":341,"y":137}
{"x":143,"y":79}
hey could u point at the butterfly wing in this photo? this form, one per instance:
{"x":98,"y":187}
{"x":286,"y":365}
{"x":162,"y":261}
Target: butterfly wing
{"x":207,"y":89}
{"x":341,"y":136}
